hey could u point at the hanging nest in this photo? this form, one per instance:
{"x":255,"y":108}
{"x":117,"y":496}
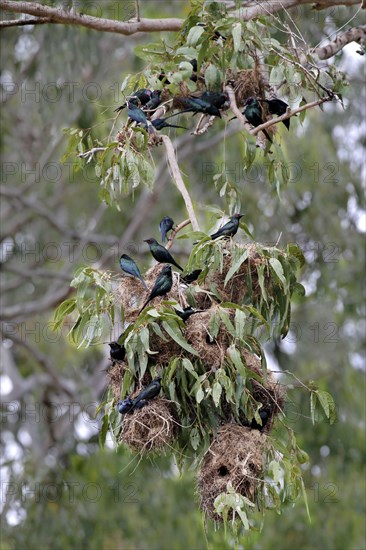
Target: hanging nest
{"x":116,"y":374}
{"x":246,"y":83}
{"x":235,"y":456}
{"x":236,"y":290}
{"x":151,"y":428}
{"x":131,"y":294}
{"x":166,"y":349}
{"x":268,"y":392}
{"x":211,"y":351}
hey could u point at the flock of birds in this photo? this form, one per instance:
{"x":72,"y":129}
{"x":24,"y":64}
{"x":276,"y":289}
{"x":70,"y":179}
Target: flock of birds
{"x":142,"y":105}
{"x":162,"y":286}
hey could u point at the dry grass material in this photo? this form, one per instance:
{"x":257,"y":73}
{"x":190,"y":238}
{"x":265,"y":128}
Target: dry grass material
{"x":151,"y":428}
{"x":116,"y":374}
{"x":236,"y":289}
{"x":270,"y":393}
{"x":235,"y":456}
{"x":131,"y":294}
{"x":246,"y":83}
{"x":211,"y":351}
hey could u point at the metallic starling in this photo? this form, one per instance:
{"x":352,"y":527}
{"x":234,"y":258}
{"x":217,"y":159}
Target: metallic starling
{"x":213,"y":98}
{"x":154,"y":102}
{"x":230,"y":228}
{"x":277,"y":107}
{"x":165,"y":225}
{"x":141,"y":97}
{"x":135,"y":114}
{"x":191,"y":277}
{"x":264,"y":417}
{"x":253,"y":114}
{"x":197,"y":105}
{"x":117,"y":352}
{"x":160,"y":123}
{"x":125,"y":406}
{"x":162,"y":286}
{"x":129,"y":266}
{"x":187,"y":312}
{"x":151,"y":391}
{"x":160,"y":253}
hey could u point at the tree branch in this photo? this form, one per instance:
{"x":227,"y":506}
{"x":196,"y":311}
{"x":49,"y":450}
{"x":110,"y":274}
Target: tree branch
{"x":272,"y":6}
{"x":179,"y":181}
{"x":356,"y":34}
{"x":23,"y":22}
{"x":59,"y":15}
{"x":176,"y":230}
{"x":289,"y":114}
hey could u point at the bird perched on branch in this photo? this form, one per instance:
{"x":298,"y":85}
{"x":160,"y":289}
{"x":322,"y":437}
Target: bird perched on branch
{"x":141,"y":97}
{"x":187,"y":312}
{"x":136,"y":114}
{"x":277,"y":107}
{"x":230,"y":228}
{"x":117,"y":352}
{"x":197,"y":105}
{"x":160,"y":253}
{"x":129,"y":266}
{"x":154,"y":101}
{"x":151,"y":391}
{"x":264,"y":417}
{"x":160,"y":123}
{"x":213,"y":98}
{"x":162,"y":285}
{"x":253,"y":114}
{"x":165,"y":225}
{"x":191,"y":277}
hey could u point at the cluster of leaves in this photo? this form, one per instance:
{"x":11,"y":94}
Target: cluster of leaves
{"x":220,"y":44}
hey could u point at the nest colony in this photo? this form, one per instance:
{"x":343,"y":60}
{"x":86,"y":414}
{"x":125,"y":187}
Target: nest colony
{"x":235,"y":454}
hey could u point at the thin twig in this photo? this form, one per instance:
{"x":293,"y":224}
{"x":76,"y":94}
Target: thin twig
{"x":172,"y":160}
{"x":176,"y":230}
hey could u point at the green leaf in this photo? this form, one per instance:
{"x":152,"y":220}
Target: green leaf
{"x":278,"y":269}
{"x":235,"y":266}
{"x":194,"y":35}
{"x":189,"y":367}
{"x":199,"y":395}
{"x":194,"y":438}
{"x":174,"y":332}
{"x":216,"y":393}
{"x":327,"y":402}
{"x":312,"y":406}
{"x":212,"y":77}
{"x":103,"y":431}
{"x":236,"y":32}
{"x":64,"y":309}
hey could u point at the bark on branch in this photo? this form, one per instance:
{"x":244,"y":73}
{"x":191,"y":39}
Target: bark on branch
{"x":59,"y":15}
{"x":179,"y":181}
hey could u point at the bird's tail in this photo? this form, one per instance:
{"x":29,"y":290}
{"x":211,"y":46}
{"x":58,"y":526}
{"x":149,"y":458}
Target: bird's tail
{"x":145,"y":304}
{"x":119,"y":109}
{"x":267,"y":136}
{"x":174,"y":126}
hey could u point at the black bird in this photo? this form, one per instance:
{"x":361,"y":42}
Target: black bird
{"x":187,"y":312}
{"x":216,"y":34}
{"x":161,"y":254}
{"x":151,"y":391}
{"x":197,"y":105}
{"x":154,"y":102}
{"x":191,"y":277}
{"x":165,"y":225}
{"x":253,"y":114}
{"x":160,"y":123}
{"x":163,"y":78}
{"x":162,"y":286}
{"x":193,"y":62}
{"x":141,"y":97}
{"x":230,"y":228}
{"x":264,"y":417}
{"x":213,"y":98}
{"x":277,"y":107}
{"x":125,"y":406}
{"x":129,"y":266}
{"x":135,"y":114}
{"x":117,"y":352}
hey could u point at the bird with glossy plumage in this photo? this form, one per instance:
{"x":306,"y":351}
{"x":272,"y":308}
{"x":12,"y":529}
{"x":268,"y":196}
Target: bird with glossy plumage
{"x":165,"y":225}
{"x":136,"y":114}
{"x":140,"y":97}
{"x":163,"y":284}
{"x":213,"y":98}
{"x":197,"y":105}
{"x":160,"y":253}
{"x":160,"y":123}
{"x":148,"y":393}
{"x":129,"y":266}
{"x":187,"y":312}
{"x":277,"y":107}
{"x":117,"y":352}
{"x":264,"y":416}
{"x":230,"y":228}
{"x":191,"y":277}
{"x":253,"y":114}
{"x":125,"y":406}
{"x":154,"y":101}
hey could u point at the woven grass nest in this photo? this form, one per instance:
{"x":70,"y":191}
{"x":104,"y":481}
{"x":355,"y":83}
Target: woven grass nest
{"x":236,"y":290}
{"x":152,"y":428}
{"x":116,"y":374}
{"x":235,"y":456}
